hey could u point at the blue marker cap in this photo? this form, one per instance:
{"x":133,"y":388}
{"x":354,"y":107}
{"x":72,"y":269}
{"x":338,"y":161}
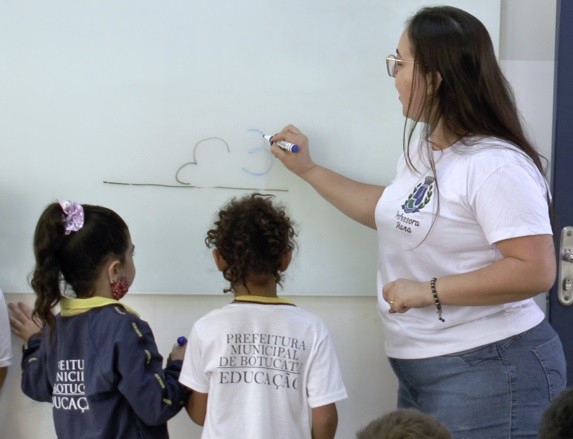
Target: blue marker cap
{"x":181,"y":340}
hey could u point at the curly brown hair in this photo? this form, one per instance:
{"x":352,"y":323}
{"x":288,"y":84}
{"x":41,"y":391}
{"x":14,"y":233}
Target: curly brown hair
{"x":253,"y":235}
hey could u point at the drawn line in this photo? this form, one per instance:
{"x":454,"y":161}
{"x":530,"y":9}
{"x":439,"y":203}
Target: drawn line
{"x":194,"y":162}
{"x":255,"y":150}
{"x":185,"y":185}
{"x":256,"y":131}
{"x":189,"y":186}
{"x":269,"y":160}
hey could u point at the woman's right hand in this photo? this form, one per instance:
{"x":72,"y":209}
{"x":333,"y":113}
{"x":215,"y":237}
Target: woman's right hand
{"x":22,"y":322}
{"x":297,"y":162}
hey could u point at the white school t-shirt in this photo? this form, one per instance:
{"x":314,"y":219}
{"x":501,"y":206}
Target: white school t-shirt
{"x":489,"y":192}
{"x":264,"y":368}
{"x":5,"y":335}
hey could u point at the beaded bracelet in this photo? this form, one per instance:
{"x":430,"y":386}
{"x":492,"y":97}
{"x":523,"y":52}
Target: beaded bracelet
{"x":436,"y":300}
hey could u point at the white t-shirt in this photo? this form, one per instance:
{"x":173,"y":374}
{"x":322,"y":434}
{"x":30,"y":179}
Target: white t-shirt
{"x":264,"y":368}
{"x":5,"y":335}
{"x":488,"y":192}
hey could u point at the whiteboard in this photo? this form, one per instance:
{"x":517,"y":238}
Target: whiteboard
{"x":163,"y":97}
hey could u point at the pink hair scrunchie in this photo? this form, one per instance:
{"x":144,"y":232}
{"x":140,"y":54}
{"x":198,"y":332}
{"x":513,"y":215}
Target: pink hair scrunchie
{"x":74,"y":215}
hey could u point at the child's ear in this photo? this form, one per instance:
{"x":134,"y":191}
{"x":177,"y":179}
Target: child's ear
{"x":287,"y":257}
{"x":114,"y":270}
{"x":219,"y":261}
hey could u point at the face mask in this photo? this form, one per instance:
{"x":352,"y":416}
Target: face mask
{"x":119,"y":288}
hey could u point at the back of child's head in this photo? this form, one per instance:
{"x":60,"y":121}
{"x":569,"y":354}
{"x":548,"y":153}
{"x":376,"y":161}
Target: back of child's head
{"x":557,"y":421}
{"x":72,"y":243}
{"x":253,"y":235}
{"x":404,"y":424}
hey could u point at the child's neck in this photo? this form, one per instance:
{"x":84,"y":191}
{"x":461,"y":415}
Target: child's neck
{"x":268,"y":289}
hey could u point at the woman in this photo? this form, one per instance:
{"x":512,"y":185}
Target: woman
{"x":464,"y":236}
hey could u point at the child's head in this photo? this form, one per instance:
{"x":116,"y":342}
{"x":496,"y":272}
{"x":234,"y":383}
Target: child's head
{"x":255,"y":239}
{"x":74,"y":243}
{"x":557,"y":421}
{"x":404,"y":424}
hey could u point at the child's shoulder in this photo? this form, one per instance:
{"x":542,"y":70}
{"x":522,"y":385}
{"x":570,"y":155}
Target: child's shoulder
{"x":115,"y":322}
{"x":116,"y":315}
{"x":242,"y":311}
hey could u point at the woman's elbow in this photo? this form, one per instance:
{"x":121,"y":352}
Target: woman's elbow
{"x":545,"y":274}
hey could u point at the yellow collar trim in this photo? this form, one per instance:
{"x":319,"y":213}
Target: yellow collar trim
{"x":73,"y":307}
{"x":263,"y":299}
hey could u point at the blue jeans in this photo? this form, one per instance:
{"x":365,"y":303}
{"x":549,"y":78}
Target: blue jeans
{"x":497,"y":391}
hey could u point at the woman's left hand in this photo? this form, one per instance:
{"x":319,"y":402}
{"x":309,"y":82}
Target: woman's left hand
{"x":403,"y":294}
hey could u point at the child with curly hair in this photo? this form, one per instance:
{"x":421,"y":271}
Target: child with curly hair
{"x":266,"y":367}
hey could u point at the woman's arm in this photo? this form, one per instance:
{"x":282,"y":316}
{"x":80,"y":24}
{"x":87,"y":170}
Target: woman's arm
{"x":354,"y":199}
{"x":527,"y":268}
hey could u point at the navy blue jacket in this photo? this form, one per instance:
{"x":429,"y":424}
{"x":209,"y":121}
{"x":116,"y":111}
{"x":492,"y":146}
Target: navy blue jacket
{"x":103,"y":374}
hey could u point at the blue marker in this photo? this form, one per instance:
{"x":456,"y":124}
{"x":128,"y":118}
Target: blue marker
{"x":181,"y":340}
{"x":283,"y":144}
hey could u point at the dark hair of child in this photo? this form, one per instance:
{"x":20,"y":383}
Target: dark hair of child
{"x":75,"y":259}
{"x":252,"y":235}
{"x":557,"y":421}
{"x":404,"y":424}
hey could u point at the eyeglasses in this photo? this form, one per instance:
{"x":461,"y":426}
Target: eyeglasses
{"x":392,"y":63}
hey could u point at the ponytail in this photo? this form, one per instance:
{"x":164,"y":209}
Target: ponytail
{"x":75,"y":257}
{"x":48,"y":240}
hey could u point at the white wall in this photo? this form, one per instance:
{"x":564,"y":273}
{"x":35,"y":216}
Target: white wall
{"x":177,"y":89}
{"x":527,"y":53}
